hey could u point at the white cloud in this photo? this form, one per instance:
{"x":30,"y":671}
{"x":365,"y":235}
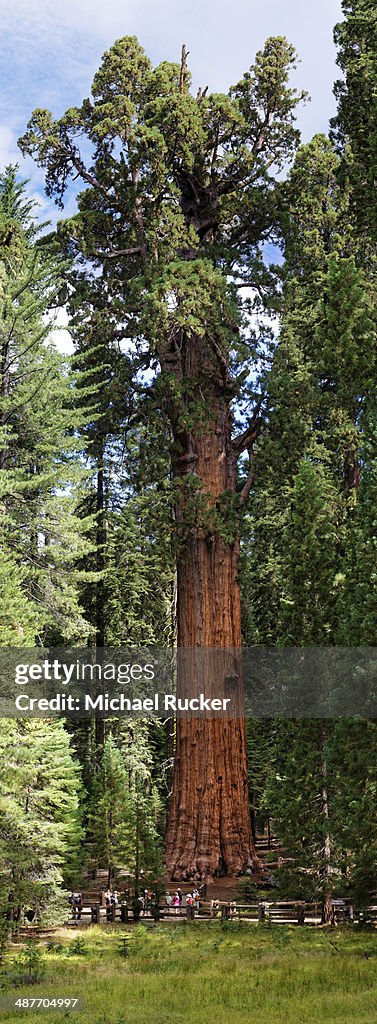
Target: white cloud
{"x":9,"y":152}
{"x":222,"y":38}
{"x":50,"y":51}
{"x":59,"y":335}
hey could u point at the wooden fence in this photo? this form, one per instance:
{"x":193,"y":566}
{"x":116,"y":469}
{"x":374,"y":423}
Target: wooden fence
{"x":283,"y":912}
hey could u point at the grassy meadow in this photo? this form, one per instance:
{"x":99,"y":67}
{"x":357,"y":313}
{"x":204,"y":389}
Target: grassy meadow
{"x":198,"y":973}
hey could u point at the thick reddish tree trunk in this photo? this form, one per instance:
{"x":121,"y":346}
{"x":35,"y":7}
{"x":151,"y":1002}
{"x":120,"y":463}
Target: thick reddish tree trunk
{"x":209,"y":829}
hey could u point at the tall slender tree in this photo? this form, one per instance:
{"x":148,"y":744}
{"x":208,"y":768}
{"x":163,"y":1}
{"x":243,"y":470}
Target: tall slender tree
{"x":125,"y":808}
{"x":309,"y":537}
{"x":40,"y":829}
{"x":40,"y":472}
{"x":355,"y":125}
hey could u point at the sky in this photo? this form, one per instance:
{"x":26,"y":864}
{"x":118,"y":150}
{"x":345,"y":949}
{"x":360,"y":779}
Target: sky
{"x":51,"y":49}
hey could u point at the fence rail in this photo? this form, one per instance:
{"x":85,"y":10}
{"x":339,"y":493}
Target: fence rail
{"x":282,"y":912}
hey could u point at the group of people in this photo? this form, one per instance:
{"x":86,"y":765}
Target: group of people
{"x":175,"y":901}
{"x":111,"y":899}
{"x":147,"y":902}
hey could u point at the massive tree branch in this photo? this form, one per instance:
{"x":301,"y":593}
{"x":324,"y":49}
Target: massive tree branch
{"x":249,"y":480}
{"x":83,"y":173}
{"x":261,"y":137}
{"x":243,"y":441}
{"x":115,"y":254}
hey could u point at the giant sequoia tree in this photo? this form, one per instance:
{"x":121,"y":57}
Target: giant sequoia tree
{"x":178,"y":198}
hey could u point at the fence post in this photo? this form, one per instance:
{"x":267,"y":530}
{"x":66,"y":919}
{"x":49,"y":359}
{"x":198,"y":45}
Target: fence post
{"x":261,"y":911}
{"x":95,"y":912}
{"x":124,"y":913}
{"x":155,"y":911}
{"x":301,"y":913}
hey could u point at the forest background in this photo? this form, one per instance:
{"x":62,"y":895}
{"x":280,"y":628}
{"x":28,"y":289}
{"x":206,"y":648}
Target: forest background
{"x":89,"y":540}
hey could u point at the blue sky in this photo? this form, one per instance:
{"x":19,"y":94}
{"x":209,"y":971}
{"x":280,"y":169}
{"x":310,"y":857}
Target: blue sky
{"x":50,"y":50}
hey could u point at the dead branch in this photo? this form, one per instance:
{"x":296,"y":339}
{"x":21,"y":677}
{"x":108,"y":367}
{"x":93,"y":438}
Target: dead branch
{"x":183,"y":71}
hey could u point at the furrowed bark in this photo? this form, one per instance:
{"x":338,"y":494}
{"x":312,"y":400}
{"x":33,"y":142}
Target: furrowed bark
{"x":209,"y":832}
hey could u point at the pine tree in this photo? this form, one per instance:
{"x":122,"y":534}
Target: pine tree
{"x":308,"y":536}
{"x":20,"y":620}
{"x":358,"y":596}
{"x":355,"y":124}
{"x":300,"y":789}
{"x":125,"y":806}
{"x":40,"y":832}
{"x":39,"y":473}
{"x":353,"y":752}
{"x":109,"y":821}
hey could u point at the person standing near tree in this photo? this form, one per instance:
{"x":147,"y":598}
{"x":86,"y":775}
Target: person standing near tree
{"x":76,"y":905}
{"x":108,"y":904}
{"x":196,"y":898}
{"x":190,"y":907}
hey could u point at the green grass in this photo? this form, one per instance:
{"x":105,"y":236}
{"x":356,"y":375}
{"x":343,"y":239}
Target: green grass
{"x":199,"y":974}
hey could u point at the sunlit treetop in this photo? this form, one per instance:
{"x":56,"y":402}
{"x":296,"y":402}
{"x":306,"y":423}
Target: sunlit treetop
{"x":169,"y":173}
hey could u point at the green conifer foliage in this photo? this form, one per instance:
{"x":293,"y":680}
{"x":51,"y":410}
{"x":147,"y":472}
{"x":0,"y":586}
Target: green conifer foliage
{"x":356,"y":120}
{"x":20,"y":619}
{"x":40,"y":832}
{"x":308,"y":548}
{"x":125,"y":809}
{"x":40,"y":473}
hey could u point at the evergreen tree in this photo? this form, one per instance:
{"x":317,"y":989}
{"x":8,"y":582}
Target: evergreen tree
{"x":125,"y":808}
{"x":300,"y":790}
{"x":355,"y":124}
{"x":307,"y":532}
{"x":358,"y":596}
{"x":40,"y":831}
{"x":353,"y":753}
{"x":320,"y":389}
{"x":109,"y":821}
{"x":39,"y":450}
{"x":20,"y":620}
